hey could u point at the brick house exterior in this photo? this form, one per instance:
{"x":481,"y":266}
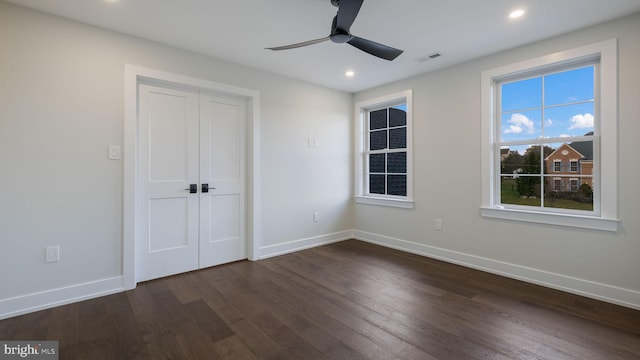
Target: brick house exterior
{"x":570,"y":166}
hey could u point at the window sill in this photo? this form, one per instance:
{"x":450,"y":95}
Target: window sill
{"x":406,"y":204}
{"x":585,"y":222}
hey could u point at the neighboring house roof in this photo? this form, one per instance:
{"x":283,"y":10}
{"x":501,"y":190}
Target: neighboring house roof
{"x":584,"y":148}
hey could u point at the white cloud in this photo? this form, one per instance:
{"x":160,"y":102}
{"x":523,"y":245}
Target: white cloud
{"x":519,"y":123}
{"x":581,"y":121}
{"x":548,"y":123}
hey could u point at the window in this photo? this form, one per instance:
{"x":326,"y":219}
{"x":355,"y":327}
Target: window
{"x":547,"y":116}
{"x":574,"y":165}
{"x":387,"y":151}
{"x":553,"y":113}
{"x":384,"y":151}
{"x":574,"y":185}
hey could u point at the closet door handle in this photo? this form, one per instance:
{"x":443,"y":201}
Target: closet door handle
{"x":206,"y":188}
{"x":193,"y":188}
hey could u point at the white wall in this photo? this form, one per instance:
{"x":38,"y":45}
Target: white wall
{"x":61,"y":105}
{"x":447,"y":183}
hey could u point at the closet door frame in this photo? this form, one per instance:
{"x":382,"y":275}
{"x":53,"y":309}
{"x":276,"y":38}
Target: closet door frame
{"x":134,"y":75}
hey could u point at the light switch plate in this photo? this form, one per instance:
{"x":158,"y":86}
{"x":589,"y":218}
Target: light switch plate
{"x":114,"y":152}
{"x":52,"y":254}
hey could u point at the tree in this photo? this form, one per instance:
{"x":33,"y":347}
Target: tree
{"x":512,"y":162}
{"x":584,"y":193}
{"x":532,"y":164}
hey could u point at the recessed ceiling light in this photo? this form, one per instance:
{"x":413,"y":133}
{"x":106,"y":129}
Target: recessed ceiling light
{"x":349,"y":73}
{"x":516,"y":14}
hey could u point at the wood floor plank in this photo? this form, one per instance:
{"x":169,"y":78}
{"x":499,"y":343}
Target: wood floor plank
{"x":356,"y":341}
{"x":233,"y":348}
{"x":185,"y":288}
{"x":294,"y":345}
{"x":347,"y":300}
{"x":256,"y":340}
{"x":361,"y":325}
{"x":320,"y":339}
{"x":432,"y":341}
{"x":126,"y":341}
{"x":63,"y":326}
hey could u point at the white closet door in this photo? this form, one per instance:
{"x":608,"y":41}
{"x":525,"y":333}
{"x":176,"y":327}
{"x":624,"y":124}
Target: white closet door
{"x":222,"y":159}
{"x":189,"y":140}
{"x":168,"y":125}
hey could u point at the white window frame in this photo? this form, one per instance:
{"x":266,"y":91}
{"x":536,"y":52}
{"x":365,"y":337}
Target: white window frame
{"x":361,"y":110}
{"x":557,"y":168}
{"x":605,"y":215}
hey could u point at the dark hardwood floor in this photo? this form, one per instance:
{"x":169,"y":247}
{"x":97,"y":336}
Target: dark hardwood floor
{"x":349,"y":300}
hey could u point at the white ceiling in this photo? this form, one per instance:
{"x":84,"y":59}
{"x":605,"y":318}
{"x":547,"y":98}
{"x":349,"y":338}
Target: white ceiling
{"x":239,"y":30}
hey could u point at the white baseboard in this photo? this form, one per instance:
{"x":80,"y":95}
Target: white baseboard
{"x":23,"y":304}
{"x":61,"y":296}
{"x":297,"y":245}
{"x":612,"y":294}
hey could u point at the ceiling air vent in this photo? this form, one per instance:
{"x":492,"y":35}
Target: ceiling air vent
{"x":428,"y":57}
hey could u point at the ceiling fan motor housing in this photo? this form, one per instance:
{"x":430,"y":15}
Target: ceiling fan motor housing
{"x":339,"y":35}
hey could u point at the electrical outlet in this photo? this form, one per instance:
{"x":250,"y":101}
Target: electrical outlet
{"x":52,"y":254}
{"x":316,"y":217}
{"x":437,"y":224}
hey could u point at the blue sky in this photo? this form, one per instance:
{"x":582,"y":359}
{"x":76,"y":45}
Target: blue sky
{"x":563,"y":107}
{"x":401,"y":107}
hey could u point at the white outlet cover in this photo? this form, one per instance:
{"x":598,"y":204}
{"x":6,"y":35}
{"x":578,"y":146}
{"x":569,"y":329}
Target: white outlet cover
{"x":114,"y":152}
{"x":438,"y":224}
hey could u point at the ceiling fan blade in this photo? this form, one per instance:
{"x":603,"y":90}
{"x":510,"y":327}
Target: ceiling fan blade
{"x":375,"y":49}
{"x":305,"y":43}
{"x":347,"y":12}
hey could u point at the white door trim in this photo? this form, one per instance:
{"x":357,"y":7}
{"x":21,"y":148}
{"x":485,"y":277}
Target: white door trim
{"x":135,"y":74}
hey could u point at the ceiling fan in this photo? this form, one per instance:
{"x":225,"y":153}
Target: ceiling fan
{"x":347,"y":12}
